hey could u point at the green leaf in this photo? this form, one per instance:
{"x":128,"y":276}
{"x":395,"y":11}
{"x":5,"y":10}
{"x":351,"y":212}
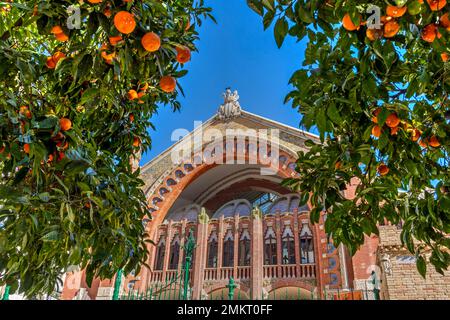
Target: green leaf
{"x":280,"y":31}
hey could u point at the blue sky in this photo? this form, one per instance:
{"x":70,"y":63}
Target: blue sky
{"x":236,"y":52}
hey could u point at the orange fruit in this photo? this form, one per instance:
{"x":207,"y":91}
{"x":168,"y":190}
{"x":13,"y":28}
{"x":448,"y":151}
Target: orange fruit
{"x":374,"y":34}
{"x":94,"y":1}
{"x":50,"y":158}
{"x":385,"y":19}
{"x":50,"y":63}
{"x":57,"y":29}
{"x":436,"y":5}
{"x":124,"y":22}
{"x":115,"y":40}
{"x":23,"y":110}
{"x":348,"y":24}
{"x":26,"y":148}
{"x":141,"y":94}
{"x":132,"y":94}
{"x":391,"y":28}
{"x":338,"y":165}
{"x":183,"y":54}
{"x":62,"y":146}
{"x":444,"y":22}
{"x":434,"y":142}
{"x":58,"y":56}
{"x":136,"y":142}
{"x":430,"y":32}
{"x":394,"y":131}
{"x":61,"y":37}
{"x":423,"y":142}
{"x":131,"y":117}
{"x":392,"y":120}
{"x":375,"y":115}
{"x":168,"y":84}
{"x":445,"y":56}
{"x":383,"y":169}
{"x":415,"y":135}
{"x":151,"y":42}
{"x":65,"y":124}
{"x":376,"y":131}
{"x":396,"y":12}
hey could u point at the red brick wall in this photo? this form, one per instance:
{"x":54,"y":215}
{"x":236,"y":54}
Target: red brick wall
{"x":365,"y":259}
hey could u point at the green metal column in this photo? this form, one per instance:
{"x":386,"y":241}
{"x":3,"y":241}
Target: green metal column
{"x":231,"y":286}
{"x":6,"y":293}
{"x":117,"y":284}
{"x":188,"y":249}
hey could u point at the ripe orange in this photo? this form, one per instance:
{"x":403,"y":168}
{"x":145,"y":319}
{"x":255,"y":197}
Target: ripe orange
{"x":151,"y":42}
{"x":445,"y":56}
{"x":374,"y":34}
{"x":115,"y":40}
{"x":430,"y":32}
{"x":396,"y":12}
{"x":391,"y":28}
{"x":61,"y":37}
{"x":375,"y":115}
{"x":23,"y":110}
{"x":383,"y":169}
{"x":348,"y":24}
{"x":392,"y":120}
{"x":26,"y":148}
{"x":415,"y":135}
{"x":423,"y":142}
{"x":57,"y":29}
{"x":168,"y":84}
{"x":94,"y":1}
{"x":434,"y":142}
{"x":436,"y":5}
{"x":376,"y":131}
{"x":131,"y":117}
{"x":144,"y":87}
{"x":136,"y":142}
{"x":132,"y":94}
{"x":445,"y":22}
{"x":50,"y":158}
{"x":58,"y":56}
{"x":65,"y":124}
{"x":124,"y":22}
{"x":394,"y":131}
{"x":183,"y":54}
{"x":50,"y":63}
{"x":338,"y":165}
{"x":141,"y":94}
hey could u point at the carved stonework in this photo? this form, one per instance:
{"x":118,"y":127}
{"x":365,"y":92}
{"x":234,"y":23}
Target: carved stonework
{"x":256,"y":213}
{"x":203,"y":217}
{"x":231,"y":107}
{"x":387,"y":266}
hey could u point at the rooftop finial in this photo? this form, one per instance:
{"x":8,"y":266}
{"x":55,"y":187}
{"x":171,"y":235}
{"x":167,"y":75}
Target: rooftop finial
{"x":231,"y":107}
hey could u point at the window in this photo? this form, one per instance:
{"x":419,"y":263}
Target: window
{"x":160,"y":253}
{"x":244,"y":248}
{"x":174,"y":253}
{"x":288,"y":246}
{"x":270,"y":247}
{"x":265,"y":201}
{"x":228,"y":249}
{"x":306,"y":245}
{"x":212,"y":250}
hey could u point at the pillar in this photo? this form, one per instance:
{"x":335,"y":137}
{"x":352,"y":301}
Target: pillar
{"x":257,"y":258}
{"x":200,"y":255}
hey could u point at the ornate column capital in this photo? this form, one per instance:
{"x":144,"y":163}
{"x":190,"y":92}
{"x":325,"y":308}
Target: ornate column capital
{"x":203,"y":217}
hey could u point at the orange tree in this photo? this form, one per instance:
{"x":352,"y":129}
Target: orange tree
{"x":378,"y":96}
{"x":78,"y":89}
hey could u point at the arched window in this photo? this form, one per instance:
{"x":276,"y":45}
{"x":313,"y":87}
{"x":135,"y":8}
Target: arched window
{"x":306,"y":245}
{"x":270,"y":247}
{"x":244,"y":248}
{"x":160,"y":253}
{"x":288,"y":246}
{"x":212,"y":250}
{"x":174,"y":253}
{"x":228,"y":249}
